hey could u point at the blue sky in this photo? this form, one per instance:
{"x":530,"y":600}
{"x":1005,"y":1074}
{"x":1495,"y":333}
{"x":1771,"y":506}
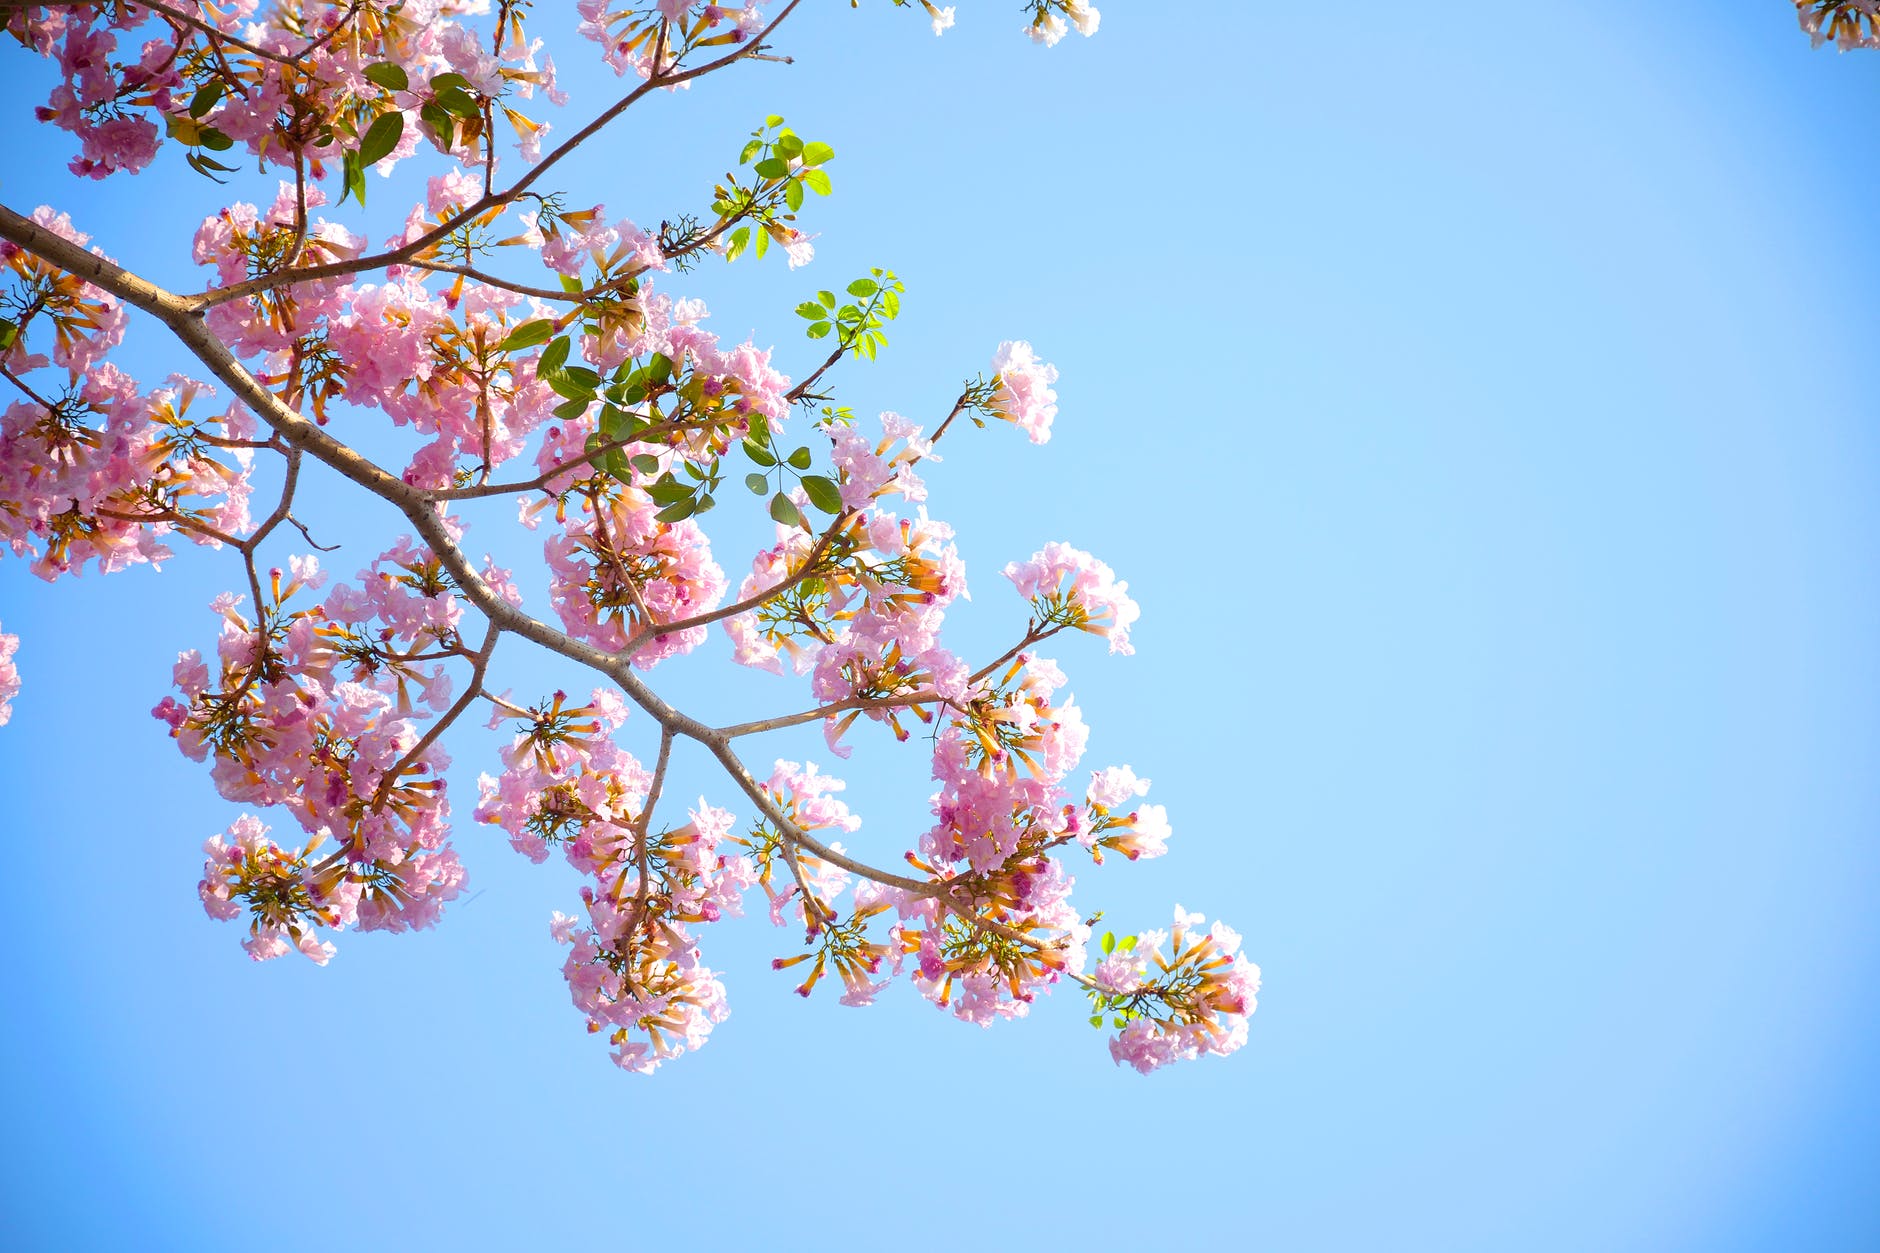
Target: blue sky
{"x":1479,"y":410}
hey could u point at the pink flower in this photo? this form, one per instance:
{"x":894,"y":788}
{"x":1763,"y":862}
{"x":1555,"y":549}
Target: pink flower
{"x":1070,"y":588}
{"x":9,"y":676}
{"x":1024,"y":394}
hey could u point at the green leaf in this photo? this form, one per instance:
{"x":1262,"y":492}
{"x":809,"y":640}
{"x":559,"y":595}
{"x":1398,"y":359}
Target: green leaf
{"x":819,"y":329}
{"x":734,"y":247}
{"x":788,"y":144}
{"x":615,"y":463}
{"x":678,"y":510}
{"x":771,"y":167}
{"x":758,"y":483}
{"x":750,"y":150}
{"x":570,"y":387}
{"x":763,"y":243}
{"x":1108,"y":943}
{"x":793,"y":195}
{"x":816,"y":181}
{"x":818,"y":154}
{"x":783,"y":509}
{"x":448,"y":80}
{"x":613,"y":423}
{"x":890,"y":303}
{"x":828,"y":299}
{"x":667,"y":491}
{"x":205,"y":97}
{"x":659,"y":368}
{"x":462,"y":103}
{"x":569,"y":410}
{"x":433,"y":116}
{"x":9,"y":331}
{"x":552,"y":359}
{"x":389,"y":76}
{"x":646,"y":463}
{"x":823,"y":493}
{"x":528,"y":335}
{"x":1096,"y":1020}
{"x":800,"y":459}
{"x":352,"y":174}
{"x":809,"y":309}
{"x":862,"y":287}
{"x":773,"y":120}
{"x":758,"y":453}
{"x":381,"y":137}
{"x":216,"y":141}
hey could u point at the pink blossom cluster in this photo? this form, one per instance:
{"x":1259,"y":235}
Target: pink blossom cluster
{"x":118,"y":84}
{"x":87,"y":322}
{"x":1000,"y":813}
{"x":880,"y":582}
{"x":617,"y":574}
{"x":764,"y":637}
{"x":1068,"y":587}
{"x":644,"y":40}
{"x":9,"y":676}
{"x":284,"y":900}
{"x":873,"y":469}
{"x":1136,"y":832}
{"x":109,"y":471}
{"x":93,"y":468}
{"x":806,"y":893}
{"x":242,"y":238}
{"x":562,"y":774}
{"x":1053,"y":19}
{"x":1175,"y":1007}
{"x":313,"y":710}
{"x":633,"y":965}
{"x":100,"y":98}
{"x":1022,"y":389}
{"x":1850,"y":24}
{"x":982,"y":975}
{"x":889,"y":648}
{"x":632,"y":968}
{"x":650,"y":992}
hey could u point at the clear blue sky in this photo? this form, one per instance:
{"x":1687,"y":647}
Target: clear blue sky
{"x":1480,"y":406}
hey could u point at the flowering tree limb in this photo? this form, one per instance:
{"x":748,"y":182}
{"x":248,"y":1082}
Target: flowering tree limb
{"x":331,"y":703}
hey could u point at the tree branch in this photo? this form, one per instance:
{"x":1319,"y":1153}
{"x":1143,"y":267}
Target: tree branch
{"x":492,"y":200}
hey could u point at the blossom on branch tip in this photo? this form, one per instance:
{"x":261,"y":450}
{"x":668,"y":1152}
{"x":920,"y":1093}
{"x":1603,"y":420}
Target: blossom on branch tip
{"x":1022,"y":389}
{"x":1069,"y":588}
{"x":1168,"y":1007}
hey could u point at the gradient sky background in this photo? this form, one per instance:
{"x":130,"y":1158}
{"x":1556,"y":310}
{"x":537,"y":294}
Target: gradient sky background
{"x":1480,"y":405}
